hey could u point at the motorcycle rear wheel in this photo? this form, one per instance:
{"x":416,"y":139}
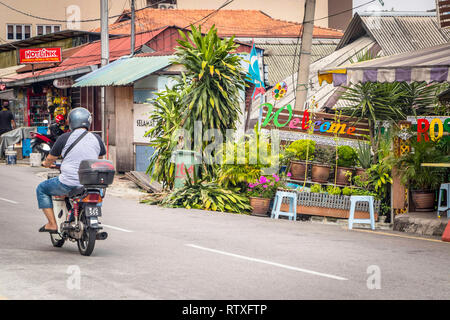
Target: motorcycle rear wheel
{"x":87,"y":242}
{"x":38,"y":149}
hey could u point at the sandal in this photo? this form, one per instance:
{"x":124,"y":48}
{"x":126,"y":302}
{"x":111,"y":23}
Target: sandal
{"x":42,"y":229}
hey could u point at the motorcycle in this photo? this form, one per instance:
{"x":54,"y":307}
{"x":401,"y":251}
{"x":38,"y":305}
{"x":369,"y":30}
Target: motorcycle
{"x":43,"y":143}
{"x":77,"y":214}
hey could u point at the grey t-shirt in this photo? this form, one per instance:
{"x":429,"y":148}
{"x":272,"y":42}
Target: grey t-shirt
{"x":89,"y":147}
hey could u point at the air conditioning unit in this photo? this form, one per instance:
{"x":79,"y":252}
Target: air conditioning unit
{"x":167,"y":6}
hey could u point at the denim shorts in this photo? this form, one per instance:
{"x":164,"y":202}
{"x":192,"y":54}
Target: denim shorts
{"x":49,"y":188}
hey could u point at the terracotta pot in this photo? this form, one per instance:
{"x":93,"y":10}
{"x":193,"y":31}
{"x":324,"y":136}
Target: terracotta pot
{"x":341,"y":178}
{"x":423,"y":200}
{"x":360,"y":172}
{"x":260,"y":206}
{"x":297,"y":170}
{"x":320,"y":173}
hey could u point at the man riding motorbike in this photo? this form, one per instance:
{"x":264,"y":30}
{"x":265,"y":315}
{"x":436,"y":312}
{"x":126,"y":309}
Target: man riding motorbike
{"x":56,"y":128}
{"x":74,"y":147}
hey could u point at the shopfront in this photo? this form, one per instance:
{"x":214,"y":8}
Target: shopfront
{"x":39,"y":103}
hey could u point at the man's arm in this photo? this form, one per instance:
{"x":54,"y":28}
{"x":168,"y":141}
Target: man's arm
{"x":49,"y":161}
{"x":13,"y":122}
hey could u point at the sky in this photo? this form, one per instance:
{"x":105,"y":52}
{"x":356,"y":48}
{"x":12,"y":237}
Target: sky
{"x":398,"y":5}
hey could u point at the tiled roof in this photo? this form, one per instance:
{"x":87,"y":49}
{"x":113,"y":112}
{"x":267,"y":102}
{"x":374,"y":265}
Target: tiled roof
{"x":241,"y":23}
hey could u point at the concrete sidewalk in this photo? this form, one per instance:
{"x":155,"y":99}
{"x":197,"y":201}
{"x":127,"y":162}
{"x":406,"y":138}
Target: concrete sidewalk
{"x":421,"y":223}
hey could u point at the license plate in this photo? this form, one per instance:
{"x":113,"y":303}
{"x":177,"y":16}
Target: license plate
{"x":93,"y":211}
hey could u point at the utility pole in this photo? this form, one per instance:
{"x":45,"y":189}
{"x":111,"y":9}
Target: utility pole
{"x":104,"y":58}
{"x":104,"y":32}
{"x":305,"y":54}
{"x":133,"y":27}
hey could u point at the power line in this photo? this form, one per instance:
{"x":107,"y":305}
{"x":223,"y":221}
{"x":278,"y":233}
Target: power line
{"x":63,"y":21}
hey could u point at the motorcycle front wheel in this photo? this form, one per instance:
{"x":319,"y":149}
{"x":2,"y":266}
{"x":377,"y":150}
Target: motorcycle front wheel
{"x":87,"y":242}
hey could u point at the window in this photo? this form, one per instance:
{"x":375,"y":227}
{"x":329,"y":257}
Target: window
{"x":18,"y":31}
{"x":166,"y":4}
{"x":46,"y":29}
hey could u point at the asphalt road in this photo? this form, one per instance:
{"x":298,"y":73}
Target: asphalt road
{"x":163,"y":253}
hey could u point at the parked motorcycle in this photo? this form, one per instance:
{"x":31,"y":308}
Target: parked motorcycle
{"x":77,"y":214}
{"x":43,"y":143}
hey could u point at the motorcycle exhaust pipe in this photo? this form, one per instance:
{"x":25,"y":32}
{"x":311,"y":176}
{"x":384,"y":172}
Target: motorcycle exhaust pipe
{"x":102,"y":236}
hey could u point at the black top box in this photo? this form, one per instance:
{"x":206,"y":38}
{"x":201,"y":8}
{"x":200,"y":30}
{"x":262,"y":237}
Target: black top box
{"x":99,"y":173}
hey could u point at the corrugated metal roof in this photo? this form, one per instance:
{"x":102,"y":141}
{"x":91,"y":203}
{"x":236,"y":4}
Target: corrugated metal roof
{"x":280,"y":57}
{"x":397,"y":32}
{"x":124,"y":71}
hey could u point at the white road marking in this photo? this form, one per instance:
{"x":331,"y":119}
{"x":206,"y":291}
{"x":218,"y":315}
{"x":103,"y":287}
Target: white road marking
{"x":115,"y":228}
{"x":268,"y":262}
{"x":10,"y":201}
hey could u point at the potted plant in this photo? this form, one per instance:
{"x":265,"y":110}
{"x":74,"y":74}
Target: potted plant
{"x":323,"y":162}
{"x":346,"y":161}
{"x":364,"y":160}
{"x":300,"y":150}
{"x":423,"y":181}
{"x":262,"y":192}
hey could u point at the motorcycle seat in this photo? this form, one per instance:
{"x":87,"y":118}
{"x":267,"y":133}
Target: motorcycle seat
{"x":78,"y":191}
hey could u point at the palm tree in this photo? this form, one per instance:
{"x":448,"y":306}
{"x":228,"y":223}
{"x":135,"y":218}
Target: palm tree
{"x":217,"y":79}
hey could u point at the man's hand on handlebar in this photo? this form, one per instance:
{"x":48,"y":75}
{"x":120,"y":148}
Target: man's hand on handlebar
{"x":49,"y":162}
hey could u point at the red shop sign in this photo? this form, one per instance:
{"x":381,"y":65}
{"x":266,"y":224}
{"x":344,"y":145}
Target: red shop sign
{"x":40,"y":55}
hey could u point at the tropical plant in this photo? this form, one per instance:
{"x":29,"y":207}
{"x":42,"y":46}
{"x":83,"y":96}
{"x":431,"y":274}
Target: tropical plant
{"x":236,"y":172}
{"x":363,"y":55}
{"x":166,"y":120}
{"x":347,"y":156}
{"x":216,"y":76}
{"x":334,"y":190}
{"x":380,"y":178}
{"x":200,"y":194}
{"x":347,"y":191}
{"x":266,"y":187}
{"x":374,"y":102}
{"x":362,"y":192}
{"x":410,"y":167}
{"x":420,"y":98}
{"x":324,"y":154}
{"x":302,"y":149}
{"x":317,"y":188}
{"x":364,"y":155}
{"x":361,"y":181}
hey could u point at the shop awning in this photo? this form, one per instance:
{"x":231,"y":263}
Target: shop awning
{"x":124,"y":71}
{"x":430,"y":65}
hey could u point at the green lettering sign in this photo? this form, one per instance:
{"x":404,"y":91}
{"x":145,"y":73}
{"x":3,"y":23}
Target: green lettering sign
{"x":269,"y":115}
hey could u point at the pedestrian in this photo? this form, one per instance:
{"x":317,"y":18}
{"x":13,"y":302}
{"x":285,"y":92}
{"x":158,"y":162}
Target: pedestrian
{"x":7,"y":122}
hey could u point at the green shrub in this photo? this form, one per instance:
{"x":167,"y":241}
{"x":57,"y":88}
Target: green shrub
{"x":317,"y":188}
{"x":347,"y":191}
{"x":325,"y":155}
{"x":333,"y":190}
{"x":301,"y":148}
{"x":207,"y":196}
{"x":347,"y":156}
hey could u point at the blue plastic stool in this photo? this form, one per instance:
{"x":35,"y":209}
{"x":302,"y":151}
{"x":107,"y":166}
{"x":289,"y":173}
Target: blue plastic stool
{"x":444,"y":194}
{"x":351,"y":218}
{"x":276,"y":211}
